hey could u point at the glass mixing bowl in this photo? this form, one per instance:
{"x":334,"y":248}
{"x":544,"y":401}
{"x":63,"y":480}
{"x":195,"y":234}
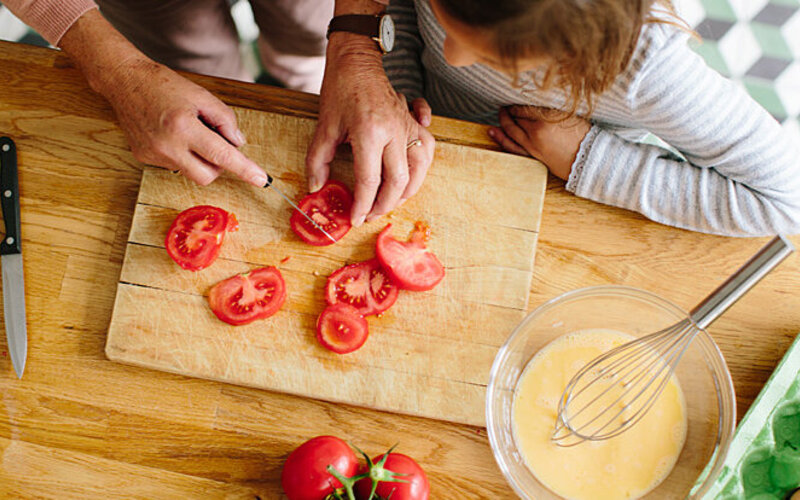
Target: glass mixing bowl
{"x":702,"y":373}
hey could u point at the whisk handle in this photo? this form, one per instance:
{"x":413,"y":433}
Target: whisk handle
{"x":741,"y":281}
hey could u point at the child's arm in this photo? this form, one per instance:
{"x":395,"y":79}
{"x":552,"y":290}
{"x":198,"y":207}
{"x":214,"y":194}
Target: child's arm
{"x":403,"y":65}
{"x":742,"y":176}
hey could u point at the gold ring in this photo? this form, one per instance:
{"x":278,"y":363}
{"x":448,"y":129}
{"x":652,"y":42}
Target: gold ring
{"x":415,"y":142}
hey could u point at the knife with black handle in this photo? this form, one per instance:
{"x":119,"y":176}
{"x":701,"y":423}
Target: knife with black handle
{"x":11,"y":258}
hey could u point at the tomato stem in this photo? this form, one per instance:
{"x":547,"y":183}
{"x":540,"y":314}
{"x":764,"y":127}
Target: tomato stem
{"x":347,"y":482}
{"x":377,"y":473}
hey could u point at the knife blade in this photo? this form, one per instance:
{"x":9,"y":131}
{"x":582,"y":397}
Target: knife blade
{"x":11,"y":258}
{"x":271,"y":183}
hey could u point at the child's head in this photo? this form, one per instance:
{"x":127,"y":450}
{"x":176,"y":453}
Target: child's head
{"x":583,"y":44}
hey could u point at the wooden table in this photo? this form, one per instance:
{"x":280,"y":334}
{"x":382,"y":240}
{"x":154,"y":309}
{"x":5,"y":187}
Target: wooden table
{"x":78,"y":425}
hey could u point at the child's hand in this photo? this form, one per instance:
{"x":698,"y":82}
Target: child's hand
{"x":555,"y":144}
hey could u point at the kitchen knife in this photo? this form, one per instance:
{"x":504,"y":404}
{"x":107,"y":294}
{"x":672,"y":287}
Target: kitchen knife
{"x":271,"y":183}
{"x":11,"y":258}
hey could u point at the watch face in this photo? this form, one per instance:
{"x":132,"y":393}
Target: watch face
{"x":387,"y":33}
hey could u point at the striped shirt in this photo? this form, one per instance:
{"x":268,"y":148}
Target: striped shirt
{"x":738,"y":172}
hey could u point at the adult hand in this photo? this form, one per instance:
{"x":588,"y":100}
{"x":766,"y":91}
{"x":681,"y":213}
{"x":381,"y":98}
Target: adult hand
{"x":174,"y":123}
{"x":169,"y":121}
{"x":359,"y":106}
{"x":531,"y":131}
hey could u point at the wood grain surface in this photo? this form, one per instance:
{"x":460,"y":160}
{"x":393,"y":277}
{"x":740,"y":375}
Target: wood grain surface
{"x":81,"y":426}
{"x":429,"y":355}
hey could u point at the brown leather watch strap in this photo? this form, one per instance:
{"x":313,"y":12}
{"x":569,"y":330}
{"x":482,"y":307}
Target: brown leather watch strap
{"x":362,"y":24}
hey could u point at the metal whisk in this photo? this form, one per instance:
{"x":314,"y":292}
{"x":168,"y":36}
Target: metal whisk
{"x":615,"y":390}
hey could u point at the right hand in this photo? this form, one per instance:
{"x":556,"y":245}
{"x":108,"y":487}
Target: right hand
{"x":170,"y":122}
{"x":359,"y":106}
{"x":173,"y":123}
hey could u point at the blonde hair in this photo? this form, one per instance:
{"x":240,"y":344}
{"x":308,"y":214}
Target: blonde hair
{"x":588,"y":42}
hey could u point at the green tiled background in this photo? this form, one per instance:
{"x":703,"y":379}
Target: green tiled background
{"x":757,"y":44}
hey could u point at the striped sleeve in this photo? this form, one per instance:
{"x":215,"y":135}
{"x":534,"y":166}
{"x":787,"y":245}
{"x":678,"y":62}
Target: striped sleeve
{"x":51,"y":18}
{"x":741,"y":172}
{"x":402,"y":64}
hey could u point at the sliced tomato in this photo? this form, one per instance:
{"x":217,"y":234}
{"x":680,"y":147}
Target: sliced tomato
{"x":244,"y":298}
{"x":409,"y":263}
{"x":364,"y":285}
{"x":341,"y":328}
{"x":195,"y":237}
{"x":330,"y":208}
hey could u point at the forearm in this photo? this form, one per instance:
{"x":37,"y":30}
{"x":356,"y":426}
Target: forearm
{"x":649,"y":180}
{"x":353,"y":52}
{"x":100,"y":51}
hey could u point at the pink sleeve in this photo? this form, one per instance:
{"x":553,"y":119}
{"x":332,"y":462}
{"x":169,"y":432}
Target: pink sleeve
{"x":51,"y":18}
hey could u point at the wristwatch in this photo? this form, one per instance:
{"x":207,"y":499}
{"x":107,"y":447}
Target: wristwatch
{"x":380,"y":28}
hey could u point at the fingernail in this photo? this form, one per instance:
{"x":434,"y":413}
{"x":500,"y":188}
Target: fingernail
{"x":359,"y":221}
{"x":492,"y":133}
{"x":314,"y":185}
{"x":259,"y":180}
{"x":240,"y":137}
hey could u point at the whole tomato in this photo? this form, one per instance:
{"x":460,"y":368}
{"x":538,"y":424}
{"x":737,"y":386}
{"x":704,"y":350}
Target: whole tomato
{"x":416,"y":487}
{"x":305,"y":475}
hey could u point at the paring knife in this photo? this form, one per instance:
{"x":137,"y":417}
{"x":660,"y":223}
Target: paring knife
{"x":11,"y":258}
{"x":271,"y":183}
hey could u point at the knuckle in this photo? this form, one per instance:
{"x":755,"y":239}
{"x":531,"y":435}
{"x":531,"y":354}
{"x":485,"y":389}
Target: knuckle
{"x":369,"y":180}
{"x":220,"y":156}
{"x":327,"y":132}
{"x":398,"y":179}
{"x":175,"y":121}
{"x":203,"y":178}
{"x":228,"y":115}
{"x":371,"y":135}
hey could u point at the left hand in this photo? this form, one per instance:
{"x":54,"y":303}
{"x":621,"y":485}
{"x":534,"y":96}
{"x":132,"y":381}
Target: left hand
{"x":556,"y":144}
{"x":359,"y":106}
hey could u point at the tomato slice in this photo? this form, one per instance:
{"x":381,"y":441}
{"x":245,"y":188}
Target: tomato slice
{"x":364,"y":285}
{"x":409,"y":263}
{"x":195,"y":237}
{"x":330,"y":208}
{"x":244,"y":298}
{"x":341,"y":328}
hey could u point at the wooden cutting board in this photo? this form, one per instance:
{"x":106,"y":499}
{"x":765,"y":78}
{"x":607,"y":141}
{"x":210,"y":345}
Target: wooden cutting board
{"x":429,"y":355}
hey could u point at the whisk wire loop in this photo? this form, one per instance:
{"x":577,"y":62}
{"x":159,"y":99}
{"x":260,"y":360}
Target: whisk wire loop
{"x":640,"y":367}
{"x":644,"y":366}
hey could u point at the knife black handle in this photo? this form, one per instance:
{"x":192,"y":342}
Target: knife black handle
{"x":9,"y":197}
